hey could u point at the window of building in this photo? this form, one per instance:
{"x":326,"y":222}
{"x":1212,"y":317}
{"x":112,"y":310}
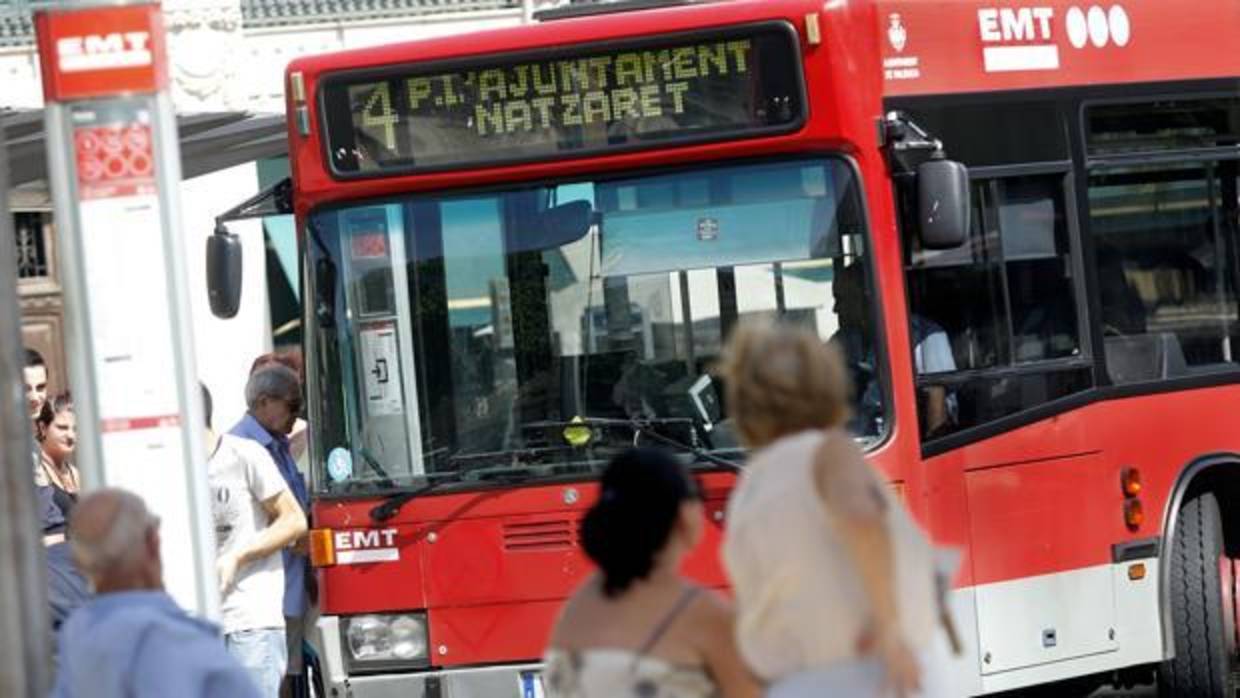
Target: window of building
{"x":994,"y":323}
{"x":31,"y":231}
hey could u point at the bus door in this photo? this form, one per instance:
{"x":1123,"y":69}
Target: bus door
{"x":374,"y":276}
{"x":997,"y":335}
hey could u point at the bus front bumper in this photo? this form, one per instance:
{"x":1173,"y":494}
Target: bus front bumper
{"x":485,"y":682}
{"x":507,"y":681}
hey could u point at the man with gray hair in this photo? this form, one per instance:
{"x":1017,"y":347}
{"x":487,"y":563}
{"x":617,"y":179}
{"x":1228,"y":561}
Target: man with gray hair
{"x":132,"y":640}
{"x":273,"y":402}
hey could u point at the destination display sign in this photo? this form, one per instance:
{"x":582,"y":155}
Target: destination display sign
{"x":679,"y":90}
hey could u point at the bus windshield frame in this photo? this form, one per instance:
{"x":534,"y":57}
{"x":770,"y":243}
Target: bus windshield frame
{"x":508,"y":293}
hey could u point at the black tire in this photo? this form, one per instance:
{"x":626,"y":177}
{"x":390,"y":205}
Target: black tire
{"x":1204,"y":638}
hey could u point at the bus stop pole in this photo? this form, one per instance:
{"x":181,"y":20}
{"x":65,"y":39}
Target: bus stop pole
{"x":24,"y":666}
{"x":115,"y":171}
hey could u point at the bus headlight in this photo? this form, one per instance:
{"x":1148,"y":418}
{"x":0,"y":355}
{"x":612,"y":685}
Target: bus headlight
{"x":386,"y":641}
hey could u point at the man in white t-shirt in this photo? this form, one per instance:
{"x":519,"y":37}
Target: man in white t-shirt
{"x":255,"y":517}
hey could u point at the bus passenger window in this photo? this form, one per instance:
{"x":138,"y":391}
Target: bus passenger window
{"x":994,"y":323}
{"x":1165,"y":239}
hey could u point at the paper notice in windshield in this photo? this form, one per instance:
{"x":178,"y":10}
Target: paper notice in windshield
{"x":381,"y":370}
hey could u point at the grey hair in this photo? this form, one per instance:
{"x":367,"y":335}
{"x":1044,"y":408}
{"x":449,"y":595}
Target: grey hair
{"x":273,"y":381}
{"x":122,"y":543}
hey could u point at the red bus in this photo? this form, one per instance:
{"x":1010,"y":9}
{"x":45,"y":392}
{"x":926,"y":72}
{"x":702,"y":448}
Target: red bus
{"x":523,"y":249}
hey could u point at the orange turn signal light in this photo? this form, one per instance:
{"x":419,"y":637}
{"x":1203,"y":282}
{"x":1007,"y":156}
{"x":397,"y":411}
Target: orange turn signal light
{"x":322,"y":547}
{"x":1130,"y":480}
{"x":1136,"y":571}
{"x":1134,"y":513}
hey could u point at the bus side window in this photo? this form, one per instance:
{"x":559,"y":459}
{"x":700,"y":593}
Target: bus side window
{"x":1165,"y":239}
{"x":1005,"y":304}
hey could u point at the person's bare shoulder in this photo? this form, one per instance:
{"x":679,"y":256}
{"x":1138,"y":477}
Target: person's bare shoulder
{"x":565,"y":633}
{"x":711,"y":616}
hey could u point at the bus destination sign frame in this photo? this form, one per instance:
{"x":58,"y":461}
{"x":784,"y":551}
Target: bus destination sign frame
{"x":586,"y":100}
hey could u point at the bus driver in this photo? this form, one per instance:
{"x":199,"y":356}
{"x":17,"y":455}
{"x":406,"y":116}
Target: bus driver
{"x":932,"y":353}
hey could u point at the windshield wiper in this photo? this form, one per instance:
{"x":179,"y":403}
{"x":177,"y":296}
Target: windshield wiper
{"x":512,"y":473}
{"x":695,"y":451}
{"x":513,"y":470}
{"x":647,"y":428}
{"x":391,"y":506}
{"x":385,"y":479}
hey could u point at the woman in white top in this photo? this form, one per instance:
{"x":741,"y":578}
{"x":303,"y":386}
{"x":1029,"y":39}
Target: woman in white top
{"x":833,"y":580}
{"x":636,"y":628}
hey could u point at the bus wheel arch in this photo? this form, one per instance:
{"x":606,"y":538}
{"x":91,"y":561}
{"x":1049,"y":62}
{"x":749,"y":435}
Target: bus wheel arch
{"x":1197,"y":527}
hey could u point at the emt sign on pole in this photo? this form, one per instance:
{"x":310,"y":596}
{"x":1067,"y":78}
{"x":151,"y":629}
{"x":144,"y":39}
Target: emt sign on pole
{"x":115,"y":170}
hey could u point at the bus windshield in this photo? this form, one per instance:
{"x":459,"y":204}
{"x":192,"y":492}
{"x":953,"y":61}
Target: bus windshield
{"x":536,"y":331}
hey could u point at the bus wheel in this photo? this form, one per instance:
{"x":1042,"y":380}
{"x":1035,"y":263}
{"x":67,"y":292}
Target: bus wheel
{"x":1204,"y":638}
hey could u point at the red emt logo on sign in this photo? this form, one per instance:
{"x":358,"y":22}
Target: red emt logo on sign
{"x":104,"y":51}
{"x":101,"y":51}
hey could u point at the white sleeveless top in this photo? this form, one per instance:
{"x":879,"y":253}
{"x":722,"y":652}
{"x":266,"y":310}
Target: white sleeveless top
{"x":603,"y":672}
{"x":618,"y":673}
{"x":800,"y":601}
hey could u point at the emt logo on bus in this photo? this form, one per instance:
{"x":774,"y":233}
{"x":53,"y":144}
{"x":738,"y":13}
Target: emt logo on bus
{"x":1024,"y":38}
{"x":372,"y":545}
{"x":983,"y":45}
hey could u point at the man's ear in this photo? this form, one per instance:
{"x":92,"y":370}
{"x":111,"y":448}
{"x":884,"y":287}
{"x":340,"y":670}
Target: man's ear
{"x":152,"y":541}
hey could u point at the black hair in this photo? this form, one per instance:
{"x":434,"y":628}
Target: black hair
{"x":639,"y":500}
{"x":52,"y":407}
{"x":33,"y":358}
{"x":207,"y":404}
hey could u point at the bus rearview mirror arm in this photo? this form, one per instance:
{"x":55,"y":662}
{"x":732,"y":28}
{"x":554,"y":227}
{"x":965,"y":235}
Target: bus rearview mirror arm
{"x":943,"y":203}
{"x":224,"y":274}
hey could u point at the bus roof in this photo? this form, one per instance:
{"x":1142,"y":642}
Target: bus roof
{"x":954,"y":46}
{"x":544,"y":35}
{"x":928,"y":46}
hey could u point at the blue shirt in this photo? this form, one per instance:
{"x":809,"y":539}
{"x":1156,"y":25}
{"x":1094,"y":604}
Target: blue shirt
{"x":294,"y":564}
{"x":140,"y":644}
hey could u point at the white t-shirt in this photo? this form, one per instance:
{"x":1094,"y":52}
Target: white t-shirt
{"x":242,"y":476}
{"x":934,"y":354}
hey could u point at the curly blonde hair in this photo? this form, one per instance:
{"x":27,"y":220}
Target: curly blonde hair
{"x":782,"y":379}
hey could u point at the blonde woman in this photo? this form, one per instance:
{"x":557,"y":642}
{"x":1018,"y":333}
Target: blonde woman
{"x":834,"y":582}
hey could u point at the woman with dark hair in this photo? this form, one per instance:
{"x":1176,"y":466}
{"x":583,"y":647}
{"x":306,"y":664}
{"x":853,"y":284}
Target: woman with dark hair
{"x":56,"y":432}
{"x":637,"y":628}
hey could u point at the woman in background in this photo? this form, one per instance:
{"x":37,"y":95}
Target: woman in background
{"x":56,"y":432}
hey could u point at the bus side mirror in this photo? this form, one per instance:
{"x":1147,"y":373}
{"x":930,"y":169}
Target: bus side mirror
{"x":943,"y":204}
{"x":224,"y":272}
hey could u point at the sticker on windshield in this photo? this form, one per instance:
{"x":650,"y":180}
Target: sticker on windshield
{"x":339,"y":465}
{"x":381,"y":370}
